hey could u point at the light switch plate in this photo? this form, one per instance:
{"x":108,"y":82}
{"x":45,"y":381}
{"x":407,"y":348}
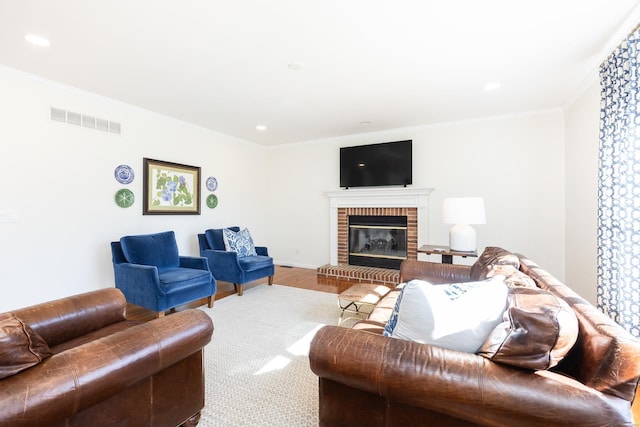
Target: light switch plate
{"x":10,"y":215}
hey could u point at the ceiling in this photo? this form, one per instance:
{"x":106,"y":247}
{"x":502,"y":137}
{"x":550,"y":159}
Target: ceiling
{"x":315,"y":69}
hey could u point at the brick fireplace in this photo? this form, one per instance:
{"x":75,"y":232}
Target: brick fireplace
{"x":412,"y":203}
{"x":343,"y":224}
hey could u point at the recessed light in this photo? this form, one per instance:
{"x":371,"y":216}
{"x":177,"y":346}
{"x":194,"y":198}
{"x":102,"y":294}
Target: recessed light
{"x":261,"y":128}
{"x":366,"y":123}
{"x":37,"y":40}
{"x":492,"y":86}
{"x":295,"y":66}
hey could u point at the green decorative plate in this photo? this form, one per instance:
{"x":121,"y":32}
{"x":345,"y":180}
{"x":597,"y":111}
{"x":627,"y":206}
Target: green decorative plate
{"x":212,"y":201}
{"x":124,"y":198}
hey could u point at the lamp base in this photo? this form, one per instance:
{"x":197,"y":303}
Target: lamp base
{"x":462,"y":237}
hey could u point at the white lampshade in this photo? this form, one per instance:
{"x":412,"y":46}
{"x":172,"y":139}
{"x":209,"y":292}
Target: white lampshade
{"x":463,"y":211}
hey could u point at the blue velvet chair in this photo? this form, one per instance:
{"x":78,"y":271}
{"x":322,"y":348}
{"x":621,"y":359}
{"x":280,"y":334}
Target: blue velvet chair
{"x":228,"y":266}
{"x":151,"y":274}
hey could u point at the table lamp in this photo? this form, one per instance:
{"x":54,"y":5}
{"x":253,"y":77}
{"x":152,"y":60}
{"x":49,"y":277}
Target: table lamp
{"x":462,"y":212}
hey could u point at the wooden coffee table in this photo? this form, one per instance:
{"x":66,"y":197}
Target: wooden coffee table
{"x":358,"y":301}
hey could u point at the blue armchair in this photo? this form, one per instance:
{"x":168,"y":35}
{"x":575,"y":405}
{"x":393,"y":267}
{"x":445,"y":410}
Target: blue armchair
{"x":228,"y":266}
{"x":151,"y":274}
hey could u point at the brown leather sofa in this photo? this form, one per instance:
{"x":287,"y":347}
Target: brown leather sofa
{"x":77,"y":361}
{"x":367,"y":379}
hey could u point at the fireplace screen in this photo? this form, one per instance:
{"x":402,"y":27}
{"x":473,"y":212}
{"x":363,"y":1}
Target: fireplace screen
{"x":377,"y":241}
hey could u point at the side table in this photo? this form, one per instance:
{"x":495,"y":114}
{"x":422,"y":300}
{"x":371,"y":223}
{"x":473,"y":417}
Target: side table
{"x":446,"y":252}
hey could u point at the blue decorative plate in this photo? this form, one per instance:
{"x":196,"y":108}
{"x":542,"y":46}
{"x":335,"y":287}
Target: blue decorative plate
{"x":124,"y":174}
{"x":212,"y":183}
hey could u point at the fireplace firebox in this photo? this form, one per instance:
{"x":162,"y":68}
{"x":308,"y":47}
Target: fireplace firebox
{"x":377,"y":241}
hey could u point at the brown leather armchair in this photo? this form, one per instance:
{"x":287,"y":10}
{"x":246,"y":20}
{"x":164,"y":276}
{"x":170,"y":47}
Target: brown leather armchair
{"x":105,"y":370}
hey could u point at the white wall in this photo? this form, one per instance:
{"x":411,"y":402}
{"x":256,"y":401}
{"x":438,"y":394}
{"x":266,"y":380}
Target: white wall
{"x":582,"y":130}
{"x":60,"y":180}
{"x":515,"y":163}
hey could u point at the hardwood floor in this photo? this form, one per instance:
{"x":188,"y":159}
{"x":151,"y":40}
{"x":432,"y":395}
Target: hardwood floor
{"x":296,"y":277}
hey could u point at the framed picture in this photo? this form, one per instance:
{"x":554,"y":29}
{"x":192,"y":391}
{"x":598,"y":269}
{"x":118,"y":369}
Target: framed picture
{"x":170,"y":188}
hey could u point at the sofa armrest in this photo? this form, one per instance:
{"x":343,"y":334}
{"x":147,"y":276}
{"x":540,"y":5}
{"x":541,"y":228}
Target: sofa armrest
{"x":85,"y":375}
{"x":433,"y":272}
{"x":458,"y":385}
{"x":194,"y":262}
{"x":63,"y":319}
{"x":262,"y":250}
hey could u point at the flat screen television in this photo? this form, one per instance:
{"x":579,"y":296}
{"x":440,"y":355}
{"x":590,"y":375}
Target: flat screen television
{"x":388,"y":163}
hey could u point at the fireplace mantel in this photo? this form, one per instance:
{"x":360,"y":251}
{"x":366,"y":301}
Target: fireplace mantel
{"x":378,"y":197}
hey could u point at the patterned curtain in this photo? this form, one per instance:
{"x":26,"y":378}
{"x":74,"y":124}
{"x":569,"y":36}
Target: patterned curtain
{"x":619,"y":186}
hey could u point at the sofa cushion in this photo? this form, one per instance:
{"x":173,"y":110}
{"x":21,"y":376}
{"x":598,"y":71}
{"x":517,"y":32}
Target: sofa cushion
{"x":20,"y":346}
{"x":215,"y":238}
{"x":256,"y":262}
{"x":385,"y":307}
{"x":492,"y":256}
{"x":457,"y":316}
{"x":158,"y":249}
{"x":239,"y":242}
{"x":537,"y":330}
{"x":177,"y":279}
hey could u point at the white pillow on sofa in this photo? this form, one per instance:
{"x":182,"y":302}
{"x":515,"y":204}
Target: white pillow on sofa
{"x":457,"y":316}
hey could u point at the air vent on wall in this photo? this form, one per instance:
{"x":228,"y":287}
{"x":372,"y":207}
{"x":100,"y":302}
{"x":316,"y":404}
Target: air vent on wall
{"x":84,"y":120}
{"x":74,"y":118}
{"x":102,"y":124}
{"x":114,"y":127}
{"x":89,"y":122}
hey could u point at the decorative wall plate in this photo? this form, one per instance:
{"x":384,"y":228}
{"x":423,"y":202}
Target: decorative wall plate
{"x":124,"y":174}
{"x":212,"y":183}
{"x":124,"y":198}
{"x":212,"y":201}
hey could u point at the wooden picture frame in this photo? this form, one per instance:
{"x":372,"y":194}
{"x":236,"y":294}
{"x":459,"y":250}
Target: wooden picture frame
{"x":170,"y":188}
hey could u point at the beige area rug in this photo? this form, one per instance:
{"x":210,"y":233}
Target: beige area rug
{"x":256,"y":366}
